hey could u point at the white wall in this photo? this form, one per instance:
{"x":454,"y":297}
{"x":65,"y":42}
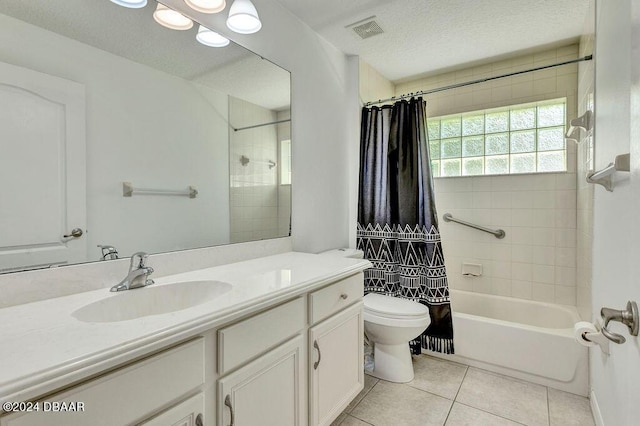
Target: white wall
{"x":143,"y":126}
{"x":615,"y":379}
{"x":537,"y":258}
{"x":324,"y":111}
{"x":324,"y":133}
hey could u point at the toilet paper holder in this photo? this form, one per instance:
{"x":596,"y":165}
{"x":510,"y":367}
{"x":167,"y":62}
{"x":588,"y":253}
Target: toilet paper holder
{"x":628,"y":317}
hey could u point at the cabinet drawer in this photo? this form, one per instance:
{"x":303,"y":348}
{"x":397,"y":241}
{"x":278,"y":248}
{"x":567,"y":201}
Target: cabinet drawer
{"x":335,"y":297}
{"x":253,"y":336}
{"x":129,"y":394}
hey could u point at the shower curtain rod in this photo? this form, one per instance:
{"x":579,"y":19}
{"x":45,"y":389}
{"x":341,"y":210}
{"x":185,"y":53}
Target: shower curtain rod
{"x":482,"y":80}
{"x":261,"y":125}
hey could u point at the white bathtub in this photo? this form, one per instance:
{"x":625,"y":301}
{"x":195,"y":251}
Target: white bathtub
{"x":520,"y":338}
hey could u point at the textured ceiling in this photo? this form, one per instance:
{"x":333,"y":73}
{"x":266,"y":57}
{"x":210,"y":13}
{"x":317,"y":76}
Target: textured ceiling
{"x":427,"y":36}
{"x":133,"y":34}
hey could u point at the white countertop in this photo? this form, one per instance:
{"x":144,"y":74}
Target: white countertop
{"x":43,"y":347}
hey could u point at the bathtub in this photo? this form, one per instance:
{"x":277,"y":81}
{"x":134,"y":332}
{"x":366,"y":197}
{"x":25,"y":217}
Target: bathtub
{"x":527,"y":340}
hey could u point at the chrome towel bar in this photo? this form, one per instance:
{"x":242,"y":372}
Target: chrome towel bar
{"x":128,"y":190}
{"x":498,"y":233}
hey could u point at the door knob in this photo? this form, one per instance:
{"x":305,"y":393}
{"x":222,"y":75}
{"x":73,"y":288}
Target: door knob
{"x":75,"y":233}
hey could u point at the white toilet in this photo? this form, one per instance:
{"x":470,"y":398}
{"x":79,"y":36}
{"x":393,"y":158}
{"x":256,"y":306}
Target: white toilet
{"x":390,"y":323}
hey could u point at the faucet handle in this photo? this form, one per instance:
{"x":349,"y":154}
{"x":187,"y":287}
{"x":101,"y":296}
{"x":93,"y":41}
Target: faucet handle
{"x":143,"y":258}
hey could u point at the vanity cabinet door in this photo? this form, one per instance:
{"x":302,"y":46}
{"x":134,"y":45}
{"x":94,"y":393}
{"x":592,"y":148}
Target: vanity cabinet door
{"x":187,"y":413}
{"x":267,"y":391}
{"x":336,"y":364}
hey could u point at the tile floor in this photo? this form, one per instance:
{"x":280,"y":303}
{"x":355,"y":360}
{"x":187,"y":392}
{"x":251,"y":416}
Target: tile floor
{"x":451,"y":394}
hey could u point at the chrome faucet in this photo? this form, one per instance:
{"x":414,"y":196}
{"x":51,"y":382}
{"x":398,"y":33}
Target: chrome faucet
{"x":108,"y":252}
{"x":138,"y":277}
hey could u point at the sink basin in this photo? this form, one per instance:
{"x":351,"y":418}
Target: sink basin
{"x":146,"y":301}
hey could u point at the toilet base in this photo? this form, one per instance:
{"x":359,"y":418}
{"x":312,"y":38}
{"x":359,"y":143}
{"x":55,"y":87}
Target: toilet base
{"x":392,"y":363}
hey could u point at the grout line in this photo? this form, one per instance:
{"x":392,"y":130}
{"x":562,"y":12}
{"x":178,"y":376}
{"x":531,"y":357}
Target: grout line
{"x":456,"y":395}
{"x":493,"y":414}
{"x":363,"y":397}
{"x":460,"y":387}
{"x":349,"y":415}
{"x":548,"y":406}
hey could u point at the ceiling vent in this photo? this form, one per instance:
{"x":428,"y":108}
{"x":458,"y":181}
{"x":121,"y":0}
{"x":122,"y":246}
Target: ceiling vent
{"x":366,"y":28}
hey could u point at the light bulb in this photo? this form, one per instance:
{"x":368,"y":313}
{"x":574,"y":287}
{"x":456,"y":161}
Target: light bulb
{"x":132,"y":4}
{"x":211,"y":38}
{"x":207,"y":6}
{"x":243,"y":17}
{"x":171,"y":19}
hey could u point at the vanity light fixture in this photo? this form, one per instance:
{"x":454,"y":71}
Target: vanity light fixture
{"x":207,"y":6}
{"x":243,"y":17}
{"x":171,"y":19}
{"x":211,"y":38}
{"x":132,"y":4}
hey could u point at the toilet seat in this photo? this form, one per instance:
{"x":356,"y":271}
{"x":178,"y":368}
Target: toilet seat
{"x":393,"y":307}
{"x":393,"y":311}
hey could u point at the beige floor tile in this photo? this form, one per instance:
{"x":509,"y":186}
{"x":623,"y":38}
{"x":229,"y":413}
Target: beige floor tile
{"x":437,"y":376}
{"x":369,"y":383}
{"x":393,"y":404}
{"x":567,"y":409}
{"x":352,"y":421}
{"x":340,"y":419}
{"x":462,"y":415}
{"x":505,"y":397}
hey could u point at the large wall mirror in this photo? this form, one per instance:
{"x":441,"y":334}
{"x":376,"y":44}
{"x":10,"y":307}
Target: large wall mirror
{"x":116,"y":131}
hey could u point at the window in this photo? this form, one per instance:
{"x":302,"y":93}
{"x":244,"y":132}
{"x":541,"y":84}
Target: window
{"x":526,"y":138}
{"x":285,"y":162}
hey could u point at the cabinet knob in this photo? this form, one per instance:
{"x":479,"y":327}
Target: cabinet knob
{"x":344,"y":296}
{"x":227,"y":402}
{"x":199,"y":421}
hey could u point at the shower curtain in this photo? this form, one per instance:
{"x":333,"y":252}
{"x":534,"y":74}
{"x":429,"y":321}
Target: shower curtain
{"x":397,"y":221}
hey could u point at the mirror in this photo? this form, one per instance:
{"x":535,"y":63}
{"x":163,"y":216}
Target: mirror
{"x":116,"y":131}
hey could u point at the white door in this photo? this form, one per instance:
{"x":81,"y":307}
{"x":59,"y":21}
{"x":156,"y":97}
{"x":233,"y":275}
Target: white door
{"x":267,"y":391}
{"x":633,"y":283}
{"x":336,"y":361}
{"x":42,"y":169}
{"x":615,"y":378}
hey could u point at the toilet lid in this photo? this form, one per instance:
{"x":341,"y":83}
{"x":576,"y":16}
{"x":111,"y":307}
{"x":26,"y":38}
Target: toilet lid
{"x":393,"y":306}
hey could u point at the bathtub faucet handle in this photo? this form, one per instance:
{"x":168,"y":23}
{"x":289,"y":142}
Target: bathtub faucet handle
{"x":628,"y":317}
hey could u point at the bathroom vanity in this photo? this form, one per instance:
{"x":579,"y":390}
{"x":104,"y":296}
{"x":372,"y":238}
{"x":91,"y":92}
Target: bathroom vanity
{"x":273,"y":340}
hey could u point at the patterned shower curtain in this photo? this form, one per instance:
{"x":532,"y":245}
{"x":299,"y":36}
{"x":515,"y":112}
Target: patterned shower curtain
{"x":397,"y":221}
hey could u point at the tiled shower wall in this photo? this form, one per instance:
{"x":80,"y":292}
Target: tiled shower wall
{"x":537,"y":258}
{"x":254,"y":186}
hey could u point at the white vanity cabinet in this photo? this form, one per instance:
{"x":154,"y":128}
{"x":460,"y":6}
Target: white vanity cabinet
{"x":335,"y":349}
{"x":296,"y":362}
{"x":127,"y":395}
{"x":187,"y":413}
{"x":269,"y":389}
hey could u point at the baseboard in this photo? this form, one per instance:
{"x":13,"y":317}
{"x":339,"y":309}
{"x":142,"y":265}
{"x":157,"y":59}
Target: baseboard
{"x":595,"y":409}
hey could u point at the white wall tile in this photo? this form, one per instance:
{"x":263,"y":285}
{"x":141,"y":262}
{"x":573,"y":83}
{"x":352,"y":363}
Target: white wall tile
{"x":544,"y":274}
{"x":543,"y":292}
{"x":522,"y":216}
{"x":522,"y":271}
{"x":565,"y":295}
{"x":521,"y":289}
{"x":522,"y":253}
{"x":539,"y":212}
{"x":544,"y":255}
